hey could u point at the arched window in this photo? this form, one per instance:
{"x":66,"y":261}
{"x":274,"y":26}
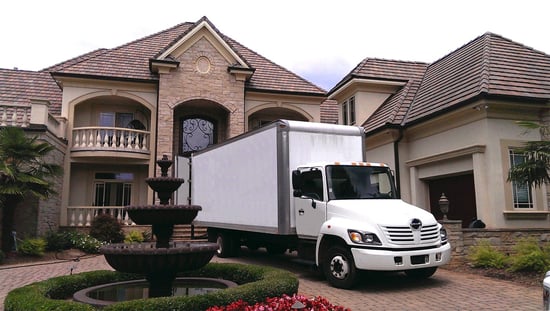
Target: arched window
{"x":197,"y":133}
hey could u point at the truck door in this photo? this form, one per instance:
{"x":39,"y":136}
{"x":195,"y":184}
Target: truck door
{"x":310,"y":207}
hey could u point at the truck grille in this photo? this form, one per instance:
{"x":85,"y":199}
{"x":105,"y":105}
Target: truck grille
{"x":406,"y":236}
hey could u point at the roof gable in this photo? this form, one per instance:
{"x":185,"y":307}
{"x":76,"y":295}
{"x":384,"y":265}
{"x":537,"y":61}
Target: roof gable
{"x":203,"y":29}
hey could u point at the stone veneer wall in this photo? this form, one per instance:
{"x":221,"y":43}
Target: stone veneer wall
{"x":187,"y":83}
{"x":462,"y":239}
{"x":35,"y":217}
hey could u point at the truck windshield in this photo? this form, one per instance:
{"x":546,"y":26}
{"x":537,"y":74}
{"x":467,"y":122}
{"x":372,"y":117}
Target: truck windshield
{"x":359,"y":182}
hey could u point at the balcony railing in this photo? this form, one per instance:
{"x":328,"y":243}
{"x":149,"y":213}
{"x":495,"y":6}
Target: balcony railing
{"x":96,"y":138}
{"x":82,"y":216}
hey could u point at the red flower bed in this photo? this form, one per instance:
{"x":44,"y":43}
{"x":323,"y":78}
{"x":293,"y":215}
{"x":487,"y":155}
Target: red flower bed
{"x":284,"y":303}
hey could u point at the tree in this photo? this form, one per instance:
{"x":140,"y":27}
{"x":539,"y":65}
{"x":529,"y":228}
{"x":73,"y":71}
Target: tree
{"x":536,"y":164}
{"x":23,"y":172}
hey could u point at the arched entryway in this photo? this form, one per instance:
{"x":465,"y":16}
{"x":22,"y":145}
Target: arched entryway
{"x":198,"y":124}
{"x":267,"y":115}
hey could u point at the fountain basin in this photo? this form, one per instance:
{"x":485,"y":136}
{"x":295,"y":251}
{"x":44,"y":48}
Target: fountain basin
{"x":106,"y":294}
{"x":145,"y":258}
{"x":162,"y":214}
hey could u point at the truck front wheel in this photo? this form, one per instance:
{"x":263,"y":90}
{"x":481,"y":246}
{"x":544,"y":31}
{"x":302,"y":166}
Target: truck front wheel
{"x":339,"y":267}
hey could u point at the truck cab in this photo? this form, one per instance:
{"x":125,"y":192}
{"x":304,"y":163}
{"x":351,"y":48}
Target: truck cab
{"x":352,"y":214}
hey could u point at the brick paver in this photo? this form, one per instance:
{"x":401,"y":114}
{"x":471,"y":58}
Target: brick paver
{"x":446,"y":290}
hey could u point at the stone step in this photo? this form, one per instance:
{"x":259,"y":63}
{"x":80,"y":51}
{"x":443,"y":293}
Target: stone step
{"x":188,"y":232}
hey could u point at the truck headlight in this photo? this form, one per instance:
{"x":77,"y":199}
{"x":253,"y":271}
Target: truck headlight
{"x":361,"y":237}
{"x":443,"y":234}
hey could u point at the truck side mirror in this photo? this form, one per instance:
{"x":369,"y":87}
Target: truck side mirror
{"x":297,"y":181}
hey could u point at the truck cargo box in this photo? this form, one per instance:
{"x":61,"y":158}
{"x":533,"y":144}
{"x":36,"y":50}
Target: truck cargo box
{"x":250,"y":175}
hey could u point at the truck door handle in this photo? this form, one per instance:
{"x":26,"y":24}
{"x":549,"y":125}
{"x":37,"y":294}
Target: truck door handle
{"x":300,"y":212}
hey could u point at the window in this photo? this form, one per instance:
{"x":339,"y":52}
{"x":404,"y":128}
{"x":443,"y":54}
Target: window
{"x":351,"y":103}
{"x":113,"y":189}
{"x":522,"y":194}
{"x":348,"y":111}
{"x":115,"y":119}
{"x":197,"y":134}
{"x":313,"y":184}
{"x":345,"y":113}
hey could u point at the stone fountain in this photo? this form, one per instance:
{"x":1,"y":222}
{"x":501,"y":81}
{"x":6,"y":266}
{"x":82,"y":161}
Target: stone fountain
{"x":160,"y":262}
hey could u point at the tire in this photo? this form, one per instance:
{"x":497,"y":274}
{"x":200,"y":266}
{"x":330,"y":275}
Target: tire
{"x":339,"y":268}
{"x":420,"y":274}
{"x":226,"y":245}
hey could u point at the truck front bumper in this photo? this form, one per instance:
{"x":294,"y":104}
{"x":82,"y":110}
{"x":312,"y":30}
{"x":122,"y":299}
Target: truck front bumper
{"x":389,"y":260}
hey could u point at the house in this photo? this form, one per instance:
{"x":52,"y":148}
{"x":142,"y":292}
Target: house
{"x":449,"y":127}
{"x":445,"y":127}
{"x":113,"y":112}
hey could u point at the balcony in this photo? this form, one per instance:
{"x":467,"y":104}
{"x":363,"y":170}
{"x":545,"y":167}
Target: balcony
{"x":82,"y":216}
{"x":97,"y":138}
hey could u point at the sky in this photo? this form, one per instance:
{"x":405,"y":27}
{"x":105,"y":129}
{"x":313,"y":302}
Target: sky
{"x":319,"y":40}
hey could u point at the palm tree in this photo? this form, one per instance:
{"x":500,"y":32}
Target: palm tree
{"x":534,"y":168}
{"x":23,"y":173}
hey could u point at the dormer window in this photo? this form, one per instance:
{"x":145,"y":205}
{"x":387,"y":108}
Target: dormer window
{"x":348,"y":111}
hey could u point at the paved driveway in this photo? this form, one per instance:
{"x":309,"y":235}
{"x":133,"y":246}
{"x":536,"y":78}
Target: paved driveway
{"x":446,"y":290}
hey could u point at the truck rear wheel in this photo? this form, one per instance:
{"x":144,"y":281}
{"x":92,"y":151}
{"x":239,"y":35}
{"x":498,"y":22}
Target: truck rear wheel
{"x":339,"y":267}
{"x":422,"y":273}
{"x":227,"y":245}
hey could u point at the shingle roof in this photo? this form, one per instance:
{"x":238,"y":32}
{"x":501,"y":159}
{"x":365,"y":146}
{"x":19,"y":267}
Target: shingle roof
{"x":393,"y":111}
{"x":383,"y":69}
{"x":131,"y":61}
{"x":489,"y":65}
{"x":20,"y":86}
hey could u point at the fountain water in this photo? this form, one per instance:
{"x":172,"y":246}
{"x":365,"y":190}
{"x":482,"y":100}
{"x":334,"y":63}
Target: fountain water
{"x":161,"y":261}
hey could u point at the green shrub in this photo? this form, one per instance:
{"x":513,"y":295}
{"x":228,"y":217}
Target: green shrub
{"x":52,"y":294}
{"x":85,"y":243}
{"x":134,"y":236}
{"x":107,"y":229}
{"x":57,"y":241}
{"x":32,"y":247}
{"x":257,"y":283}
{"x":484,"y":255}
{"x":2,"y":257}
{"x":529,"y":256}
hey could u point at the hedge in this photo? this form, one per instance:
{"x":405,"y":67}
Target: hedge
{"x":255,"y":284}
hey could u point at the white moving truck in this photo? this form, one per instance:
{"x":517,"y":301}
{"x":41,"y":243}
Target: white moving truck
{"x":305,"y":187}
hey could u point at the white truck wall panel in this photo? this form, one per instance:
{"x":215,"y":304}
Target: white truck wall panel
{"x":246,"y":183}
{"x":237,"y":183}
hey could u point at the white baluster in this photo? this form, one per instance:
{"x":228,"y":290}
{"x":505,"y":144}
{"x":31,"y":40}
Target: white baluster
{"x":4,"y":118}
{"x":80,"y":218}
{"x":144,"y":143}
{"x":90,"y":138}
{"x":98,"y":139}
{"x":71,"y":217}
{"x":76,"y":142}
{"x":88,"y":216}
{"x":25,"y":118}
{"x":14,"y":117}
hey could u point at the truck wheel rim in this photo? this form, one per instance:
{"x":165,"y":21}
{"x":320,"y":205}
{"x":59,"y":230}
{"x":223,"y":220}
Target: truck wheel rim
{"x":339,"y":267}
{"x":219,"y":241}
